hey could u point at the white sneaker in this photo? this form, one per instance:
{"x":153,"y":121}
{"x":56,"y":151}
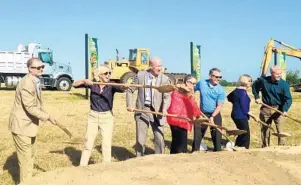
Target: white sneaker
{"x":203,"y":147}
{"x":230,"y":146}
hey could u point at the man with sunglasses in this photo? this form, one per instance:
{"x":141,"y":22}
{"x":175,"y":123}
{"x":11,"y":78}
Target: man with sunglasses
{"x":26,"y":113}
{"x":275,"y":93}
{"x":100,"y":117}
{"x":212,"y":98}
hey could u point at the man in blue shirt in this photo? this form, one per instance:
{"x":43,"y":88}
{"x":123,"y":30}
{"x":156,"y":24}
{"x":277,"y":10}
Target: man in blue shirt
{"x":212,"y":98}
{"x":275,"y":93}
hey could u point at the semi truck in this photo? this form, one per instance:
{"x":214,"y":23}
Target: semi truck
{"x":13,"y":67}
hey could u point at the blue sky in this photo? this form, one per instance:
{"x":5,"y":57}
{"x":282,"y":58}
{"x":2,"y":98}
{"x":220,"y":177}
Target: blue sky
{"x":232,"y":33}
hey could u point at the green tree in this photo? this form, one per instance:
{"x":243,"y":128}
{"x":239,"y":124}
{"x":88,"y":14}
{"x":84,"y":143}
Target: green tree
{"x":293,"y":77}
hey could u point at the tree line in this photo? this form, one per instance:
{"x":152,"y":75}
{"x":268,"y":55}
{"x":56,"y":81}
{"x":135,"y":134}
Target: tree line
{"x":292,"y":77}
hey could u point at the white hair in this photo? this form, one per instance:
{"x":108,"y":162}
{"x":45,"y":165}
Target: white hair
{"x":275,"y":68}
{"x":98,"y":70}
{"x":154,"y":59}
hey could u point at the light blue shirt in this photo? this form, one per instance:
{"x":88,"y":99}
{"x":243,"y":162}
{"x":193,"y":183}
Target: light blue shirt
{"x":210,"y":95}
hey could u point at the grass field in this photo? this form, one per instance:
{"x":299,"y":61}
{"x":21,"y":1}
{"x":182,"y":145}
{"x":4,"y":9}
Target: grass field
{"x":71,"y":109}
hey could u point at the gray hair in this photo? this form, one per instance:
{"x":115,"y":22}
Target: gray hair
{"x":214,"y":70}
{"x":97,"y":70}
{"x":31,"y":60}
{"x":154,"y":59}
{"x":274,"y":68}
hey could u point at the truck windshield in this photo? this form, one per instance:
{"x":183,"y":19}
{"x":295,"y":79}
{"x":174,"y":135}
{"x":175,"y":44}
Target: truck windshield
{"x":45,"y":57}
{"x":133,"y":55}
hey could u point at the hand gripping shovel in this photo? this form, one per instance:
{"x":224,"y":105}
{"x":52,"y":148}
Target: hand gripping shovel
{"x":162,"y":88}
{"x":294,"y":119}
{"x":282,"y":134}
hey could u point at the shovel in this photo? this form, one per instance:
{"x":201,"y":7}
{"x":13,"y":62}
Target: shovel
{"x":64,"y":129}
{"x":230,"y":144}
{"x":162,"y":88}
{"x":199,"y":120}
{"x":294,"y":119}
{"x":233,"y":132}
{"x":72,"y":140}
{"x":282,"y":134}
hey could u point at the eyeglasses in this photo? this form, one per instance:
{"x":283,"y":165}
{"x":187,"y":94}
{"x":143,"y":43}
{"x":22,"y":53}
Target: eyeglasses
{"x":39,"y":68}
{"x":218,"y":77}
{"x":106,"y":73}
{"x":191,"y":82}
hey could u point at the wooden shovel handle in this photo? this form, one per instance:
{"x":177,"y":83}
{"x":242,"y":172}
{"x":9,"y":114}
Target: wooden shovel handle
{"x":161,"y":114}
{"x":64,"y":129}
{"x":268,"y":106}
{"x":119,"y":84}
{"x":261,"y":122}
{"x":219,"y":130}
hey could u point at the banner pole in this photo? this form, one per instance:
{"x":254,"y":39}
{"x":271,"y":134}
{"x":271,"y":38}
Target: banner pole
{"x":86,"y":63}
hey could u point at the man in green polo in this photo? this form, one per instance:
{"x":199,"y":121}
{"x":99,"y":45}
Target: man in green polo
{"x":275,"y":93}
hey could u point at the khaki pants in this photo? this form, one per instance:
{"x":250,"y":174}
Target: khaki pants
{"x":25,"y":147}
{"x":268,"y":116}
{"x":103,"y":122}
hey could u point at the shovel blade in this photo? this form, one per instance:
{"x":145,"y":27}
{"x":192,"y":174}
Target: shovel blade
{"x":75,"y":141}
{"x":282,"y":134}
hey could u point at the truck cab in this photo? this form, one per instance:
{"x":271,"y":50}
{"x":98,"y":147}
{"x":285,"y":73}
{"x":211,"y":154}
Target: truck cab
{"x":56,"y":75}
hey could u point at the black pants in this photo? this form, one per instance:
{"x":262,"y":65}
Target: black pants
{"x":179,"y":140}
{"x":242,"y":140}
{"x":199,"y":133}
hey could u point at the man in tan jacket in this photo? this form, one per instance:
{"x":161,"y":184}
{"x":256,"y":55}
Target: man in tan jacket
{"x":25,"y":115}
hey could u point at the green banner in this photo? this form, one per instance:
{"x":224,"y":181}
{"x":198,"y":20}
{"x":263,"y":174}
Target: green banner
{"x":195,"y":59}
{"x":93,"y":56}
{"x":282,"y":63}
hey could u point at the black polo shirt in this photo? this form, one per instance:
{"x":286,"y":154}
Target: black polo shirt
{"x":101,"y":102}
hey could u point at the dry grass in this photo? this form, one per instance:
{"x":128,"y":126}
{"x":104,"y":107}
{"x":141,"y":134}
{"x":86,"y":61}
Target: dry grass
{"x":71,"y":110}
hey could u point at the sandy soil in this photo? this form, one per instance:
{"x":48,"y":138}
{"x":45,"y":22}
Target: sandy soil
{"x":273,"y":165}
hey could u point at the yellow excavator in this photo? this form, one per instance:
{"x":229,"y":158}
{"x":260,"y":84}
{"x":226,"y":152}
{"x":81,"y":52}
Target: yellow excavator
{"x":270,"y":49}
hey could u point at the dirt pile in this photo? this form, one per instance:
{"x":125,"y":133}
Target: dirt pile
{"x":274,"y":165}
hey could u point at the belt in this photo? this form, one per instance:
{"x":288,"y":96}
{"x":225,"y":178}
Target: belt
{"x":147,"y":105}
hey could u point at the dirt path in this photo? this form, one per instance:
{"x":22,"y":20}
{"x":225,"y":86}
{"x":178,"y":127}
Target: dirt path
{"x":281,"y":165}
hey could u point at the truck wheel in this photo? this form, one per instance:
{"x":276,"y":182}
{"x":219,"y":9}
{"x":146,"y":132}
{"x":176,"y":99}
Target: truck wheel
{"x":172,"y":79}
{"x":64,"y":84}
{"x":127,"y":77}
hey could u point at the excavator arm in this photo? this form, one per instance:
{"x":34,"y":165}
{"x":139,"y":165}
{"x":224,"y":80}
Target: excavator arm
{"x":270,"y":49}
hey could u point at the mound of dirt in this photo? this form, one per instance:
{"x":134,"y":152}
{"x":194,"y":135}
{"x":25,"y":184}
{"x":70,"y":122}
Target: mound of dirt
{"x":273,"y":165}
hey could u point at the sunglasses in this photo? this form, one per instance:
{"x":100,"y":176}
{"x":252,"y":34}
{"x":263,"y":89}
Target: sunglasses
{"x":106,"y":73}
{"x":218,"y":77}
{"x":39,"y":68}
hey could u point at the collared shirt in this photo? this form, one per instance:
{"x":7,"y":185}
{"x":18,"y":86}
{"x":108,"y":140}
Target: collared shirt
{"x":210,"y":95}
{"x":148,"y":91}
{"x":38,"y":84}
{"x":102,"y":101}
{"x":275,"y":93}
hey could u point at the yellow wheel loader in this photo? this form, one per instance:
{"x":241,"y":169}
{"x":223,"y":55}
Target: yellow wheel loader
{"x":123,"y":70}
